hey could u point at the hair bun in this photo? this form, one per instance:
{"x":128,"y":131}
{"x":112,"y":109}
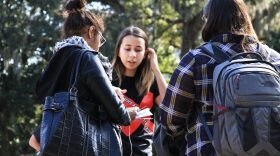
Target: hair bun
{"x":75,"y":5}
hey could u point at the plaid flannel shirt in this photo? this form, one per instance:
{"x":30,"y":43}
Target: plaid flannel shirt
{"x":191,"y":86}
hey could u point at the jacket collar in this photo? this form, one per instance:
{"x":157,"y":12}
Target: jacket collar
{"x":233,"y":38}
{"x":72,"y":41}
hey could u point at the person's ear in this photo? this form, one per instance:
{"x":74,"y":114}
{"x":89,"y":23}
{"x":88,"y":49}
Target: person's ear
{"x":91,"y":32}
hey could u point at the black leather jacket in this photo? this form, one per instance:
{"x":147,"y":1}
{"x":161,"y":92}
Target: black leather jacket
{"x":94,"y":88}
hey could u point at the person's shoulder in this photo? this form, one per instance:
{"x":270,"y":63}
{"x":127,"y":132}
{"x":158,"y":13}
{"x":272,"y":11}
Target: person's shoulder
{"x":196,"y":52}
{"x":270,"y":54}
{"x":65,"y":53}
{"x":196,"y":55}
{"x":269,"y":49}
{"x":88,"y":54}
{"x":69,"y":49}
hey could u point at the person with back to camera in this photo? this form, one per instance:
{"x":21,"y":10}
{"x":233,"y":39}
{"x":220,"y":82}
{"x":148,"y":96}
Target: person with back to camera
{"x":228,"y":27}
{"x":82,"y":31}
{"x":136,"y":71}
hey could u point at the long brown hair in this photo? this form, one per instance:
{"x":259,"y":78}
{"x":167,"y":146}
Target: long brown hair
{"x":144,"y":75}
{"x":77,"y":19}
{"x":226,"y":16}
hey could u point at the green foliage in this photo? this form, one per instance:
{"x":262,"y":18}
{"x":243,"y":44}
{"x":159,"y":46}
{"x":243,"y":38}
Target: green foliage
{"x":273,"y":40}
{"x":28,"y":31}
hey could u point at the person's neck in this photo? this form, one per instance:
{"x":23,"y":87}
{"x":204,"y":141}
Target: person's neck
{"x":129,"y":73}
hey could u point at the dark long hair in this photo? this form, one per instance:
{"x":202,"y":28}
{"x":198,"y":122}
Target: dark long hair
{"x":77,"y":19}
{"x":144,"y":72}
{"x":226,"y":16}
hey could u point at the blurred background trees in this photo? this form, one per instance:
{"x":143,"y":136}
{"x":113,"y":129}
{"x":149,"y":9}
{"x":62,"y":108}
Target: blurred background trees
{"x":29,"y":30}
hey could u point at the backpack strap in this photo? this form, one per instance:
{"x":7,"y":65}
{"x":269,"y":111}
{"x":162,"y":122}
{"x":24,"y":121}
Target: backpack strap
{"x":201,"y":118}
{"x":264,"y":51}
{"x":220,"y":57}
{"x":215,"y":52}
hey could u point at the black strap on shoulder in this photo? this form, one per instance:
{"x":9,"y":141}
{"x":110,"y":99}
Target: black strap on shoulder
{"x":75,"y":71}
{"x":215,"y":52}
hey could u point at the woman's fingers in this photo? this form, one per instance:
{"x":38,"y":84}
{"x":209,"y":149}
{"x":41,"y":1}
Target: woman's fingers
{"x":120,"y":92}
{"x":133,"y":112}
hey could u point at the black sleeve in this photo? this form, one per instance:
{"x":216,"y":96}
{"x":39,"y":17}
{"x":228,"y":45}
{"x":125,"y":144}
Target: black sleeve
{"x":37,"y":133}
{"x":94,"y":77}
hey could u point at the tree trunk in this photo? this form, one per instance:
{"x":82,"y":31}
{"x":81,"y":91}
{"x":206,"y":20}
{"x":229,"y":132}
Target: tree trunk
{"x":190,"y":33}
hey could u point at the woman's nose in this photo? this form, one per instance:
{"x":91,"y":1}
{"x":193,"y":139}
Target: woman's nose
{"x":132,"y":53}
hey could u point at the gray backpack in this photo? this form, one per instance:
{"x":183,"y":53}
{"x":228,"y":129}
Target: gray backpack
{"x":247,"y":104}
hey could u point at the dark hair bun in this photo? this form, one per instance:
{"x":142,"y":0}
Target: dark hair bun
{"x":75,"y":5}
